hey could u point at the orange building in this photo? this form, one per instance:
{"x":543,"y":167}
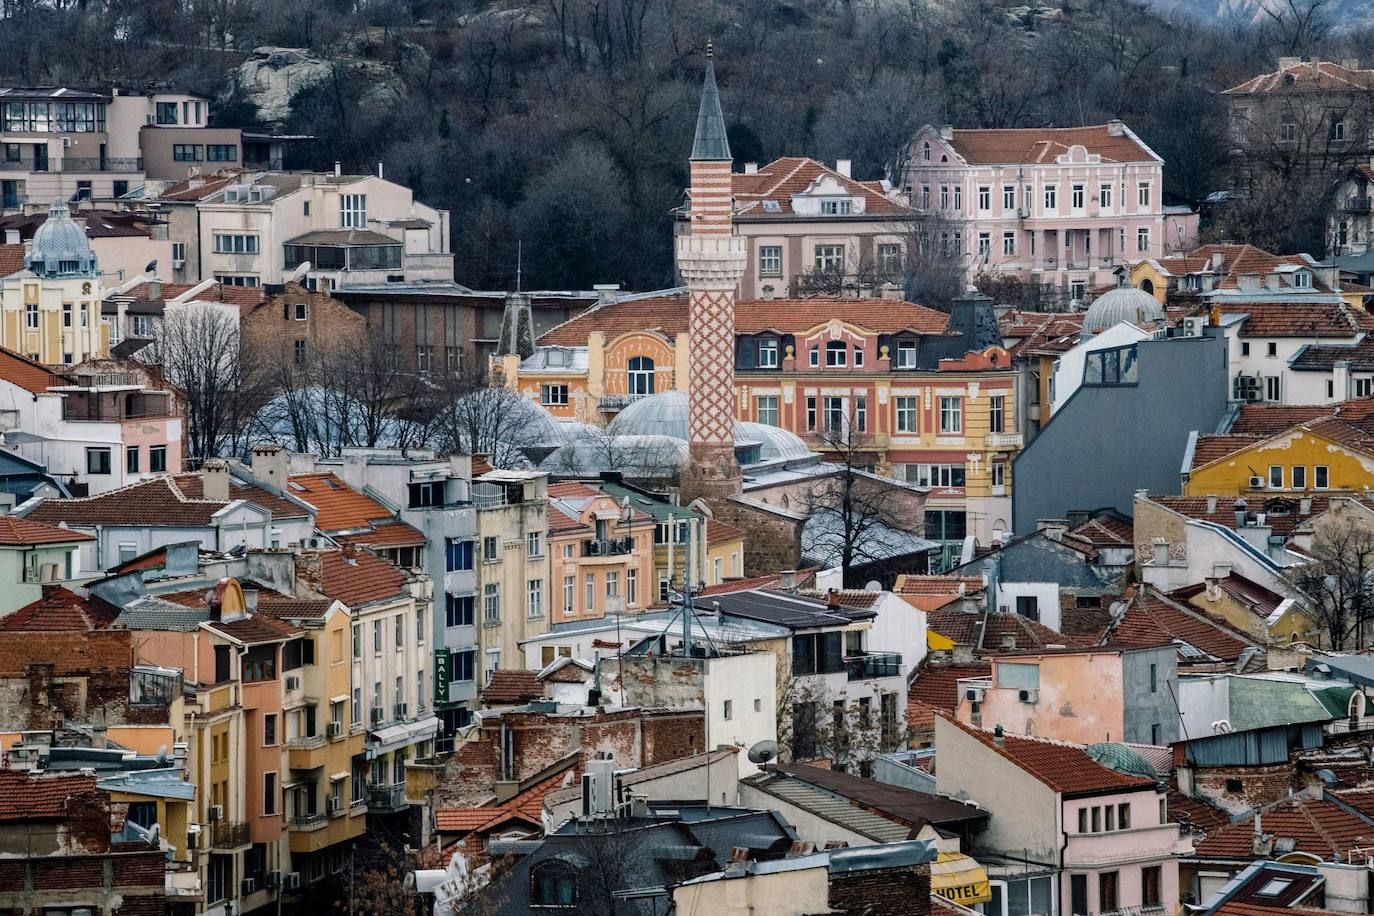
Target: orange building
{"x":601,"y":554}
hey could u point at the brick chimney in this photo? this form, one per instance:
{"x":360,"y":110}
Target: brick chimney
{"x":309,"y":570}
{"x":832,"y":599}
{"x":214,"y":478}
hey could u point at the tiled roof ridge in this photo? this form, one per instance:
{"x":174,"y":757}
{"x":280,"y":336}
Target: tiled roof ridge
{"x":166,"y":478}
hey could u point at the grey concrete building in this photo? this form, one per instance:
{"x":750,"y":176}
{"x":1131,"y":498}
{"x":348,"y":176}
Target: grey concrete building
{"x":1124,"y":429}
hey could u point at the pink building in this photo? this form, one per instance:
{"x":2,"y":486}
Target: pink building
{"x":1056,"y":206}
{"x":601,"y":553}
{"x":1085,"y":830}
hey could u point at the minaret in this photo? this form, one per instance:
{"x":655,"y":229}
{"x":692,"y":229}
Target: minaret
{"x":711,"y":259}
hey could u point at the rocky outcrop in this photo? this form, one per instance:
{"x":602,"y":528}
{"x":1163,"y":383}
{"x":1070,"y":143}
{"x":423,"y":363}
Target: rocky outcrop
{"x":272,"y":77}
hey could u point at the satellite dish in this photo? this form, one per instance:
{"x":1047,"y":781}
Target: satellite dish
{"x":763,"y":751}
{"x":154,"y":835}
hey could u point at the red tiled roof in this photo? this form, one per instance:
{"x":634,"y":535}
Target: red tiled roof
{"x":1152,"y":618}
{"x":198,"y":188}
{"x":360,"y":579}
{"x":28,"y":374}
{"x":1041,"y":333}
{"x":989,"y":632}
{"x":1306,"y":76}
{"x":1044,"y":144}
{"x":193,"y":485}
{"x":936,"y":687}
{"x":718,"y":532}
{"x":258,"y":628}
{"x":1201,"y":815}
{"x":1065,"y":768}
{"x":288,"y":608}
{"x":1213,"y":448}
{"x":938,"y":585}
{"x":766,"y":581}
{"x":1255,"y":596}
{"x":391,"y":534}
{"x":513,"y":686}
{"x":1321,"y":828}
{"x":845,"y":597}
{"x":782,"y":178}
{"x":11,"y":259}
{"x":158,"y":502}
{"x":60,"y":609}
{"x":22,"y":532}
{"x":338,"y":506}
{"x":527,"y":805}
{"x":668,"y":315}
{"x":24,"y":797}
{"x":1295,"y":319}
{"x":1270,"y":419}
{"x":1106,"y":531}
{"x":480,"y":465}
{"x":1225,"y":513}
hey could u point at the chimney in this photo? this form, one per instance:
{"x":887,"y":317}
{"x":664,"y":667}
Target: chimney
{"x":1288,"y":63}
{"x":1116,"y":128}
{"x":1350,"y":63}
{"x":270,"y":464}
{"x":1211,"y":505}
{"x":787,"y":580}
{"x":844,"y":167}
{"x":997,"y":736}
{"x":751,"y":168}
{"x":1054,"y":528}
{"x":1218,"y":262}
{"x":1009,"y":641}
{"x":962,"y":655}
{"x":350,"y":554}
{"x":832,"y":599}
{"x":154,"y":286}
{"x":947,"y":132}
{"x":338,"y":169}
{"x":381,"y":172}
{"x":214,"y":478}
{"x":605,"y":292}
{"x":1340,"y":379}
{"x":1213,"y":591}
{"x":1305,"y":505}
{"x":309,"y":570}
{"x":1239,"y":507}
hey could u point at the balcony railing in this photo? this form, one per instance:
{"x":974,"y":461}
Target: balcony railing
{"x":607,"y":547}
{"x":229,"y":835}
{"x":306,"y":743}
{"x":309,"y":821}
{"x":1135,"y":911}
{"x":1358,"y":204}
{"x":618,"y":401}
{"x":90,"y":164}
{"x":387,"y":798}
{"x":1004,"y":440}
{"x":873,"y":664}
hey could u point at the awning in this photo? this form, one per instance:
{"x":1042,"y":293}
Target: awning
{"x":956,"y":877}
{"x":391,"y":737}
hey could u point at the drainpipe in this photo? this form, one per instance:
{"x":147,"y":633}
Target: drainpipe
{"x":1059,"y":878}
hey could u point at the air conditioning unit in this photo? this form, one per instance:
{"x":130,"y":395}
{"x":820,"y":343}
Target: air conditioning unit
{"x":1193,"y":325}
{"x":1022,"y":213}
{"x":1248,"y":388}
{"x":335,"y":729}
{"x":1028,"y":696}
{"x":1256,"y":482}
{"x":333,"y":805}
{"x":249,"y":886}
{"x":293,"y":682}
{"x":400,"y":710}
{"x":274,"y":879}
{"x":974,"y":694}
{"x":293,"y":881}
{"x":216,"y":812}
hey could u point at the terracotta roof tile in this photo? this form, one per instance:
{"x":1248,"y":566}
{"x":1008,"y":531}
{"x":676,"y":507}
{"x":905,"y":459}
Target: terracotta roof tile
{"x":1153,"y":618}
{"x":1269,"y":419}
{"x":361,"y":578}
{"x":258,"y":628}
{"x":1043,"y":144}
{"x":1106,"y":531}
{"x":1321,"y":828}
{"x":990,"y":632}
{"x":1305,"y":76}
{"x":24,"y":797}
{"x":338,"y":506}
{"x":668,"y":315}
{"x":1041,"y":333}
{"x":391,"y":534}
{"x":780,"y":179}
{"x":1212,"y":448}
{"x":513,"y":686}
{"x":718,"y":532}
{"x":1201,"y":815}
{"x":1065,"y":768}
{"x":23,"y":532}
{"x":28,"y":374}
{"x":60,"y":609}
{"x":937,"y":687}
{"x":11,"y":259}
{"x":157,"y":502}
{"x":1282,"y":522}
{"x":193,"y":189}
{"x":1294,"y":319}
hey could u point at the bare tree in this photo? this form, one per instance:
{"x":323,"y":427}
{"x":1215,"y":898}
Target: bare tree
{"x":816,"y":722}
{"x":475,"y":418}
{"x":1298,"y":27}
{"x":199,"y":350}
{"x":1337,"y":585}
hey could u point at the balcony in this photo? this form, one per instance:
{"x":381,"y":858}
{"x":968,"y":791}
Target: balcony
{"x":307,"y":753}
{"x":1134,"y":844}
{"x":873,"y":664}
{"x":308,"y":822}
{"x":118,"y":166}
{"x":1003,"y":440}
{"x":1155,"y":910}
{"x":386,"y":798}
{"x":607,"y":547}
{"x":225,"y":835}
{"x":1358,"y":204}
{"x":618,"y":401}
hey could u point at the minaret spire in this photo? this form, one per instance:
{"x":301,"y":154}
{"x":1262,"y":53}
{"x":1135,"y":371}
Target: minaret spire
{"x":711,"y":144}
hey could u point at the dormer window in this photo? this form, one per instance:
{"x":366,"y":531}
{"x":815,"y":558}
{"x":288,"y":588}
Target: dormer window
{"x":836,"y":354}
{"x":906,"y":354}
{"x":768,"y":353}
{"x":1302,"y":280}
{"x":836,"y":207}
{"x":558,"y":357}
{"x":772,"y":206}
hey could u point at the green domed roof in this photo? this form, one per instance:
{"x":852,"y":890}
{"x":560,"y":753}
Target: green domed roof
{"x":1122,"y":759}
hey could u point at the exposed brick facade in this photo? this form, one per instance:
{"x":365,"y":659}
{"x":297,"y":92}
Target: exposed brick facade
{"x":272,"y":330}
{"x":1259,"y":785}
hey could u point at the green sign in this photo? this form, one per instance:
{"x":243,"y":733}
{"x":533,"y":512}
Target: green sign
{"x":441,"y":675}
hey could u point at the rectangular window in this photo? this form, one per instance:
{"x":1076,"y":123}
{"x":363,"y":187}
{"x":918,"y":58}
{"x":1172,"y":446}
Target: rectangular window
{"x":1051,"y":198}
{"x":490,"y":549}
{"x":66,"y":314}
{"x":766,"y":409}
{"x":357,"y":640}
{"x":1008,"y":197}
{"x":768,"y":353}
{"x":997,"y":414}
{"x":1078,"y":895}
{"x":936,"y":475}
{"x":836,"y":207}
{"x":944,"y":197}
{"x":569,"y":586}
{"x":1106,"y":892}
{"x":1143,"y":195}
{"x":836,"y":354}
{"x":861,"y":413}
{"x":1097,"y":819}
{"x":221,"y":152}
{"x":1319,"y":477}
{"x":1008,"y":243}
{"x":377,"y":636}
{"x":400,"y":631}
{"x":1104,"y":196}
{"x":906,"y":354}
{"x":97,"y":461}
{"x":589,"y":592}
{"x":1109,"y":819}
{"x":458,"y":555}
{"x":984,"y":244}
{"x":353,"y":211}
{"x":1299,"y":477}
{"x":925,"y":197}
{"x":984,"y":198}
{"x":1154,"y":678}
{"x":31,"y":315}
{"x":1276,"y":476}
{"x":951,"y":415}
{"x":1123,"y":816}
{"x":1142,"y":239}
{"x":299,"y":353}
{"x":889,"y":259}
{"x":1150,"y":886}
{"x":958,"y":197}
{"x":811,"y":414}
{"x":458,"y":610}
{"x":770,"y":260}
{"x":185,"y":152}
{"x":612,"y":584}
{"x":269,"y":729}
{"x":131,"y":459}
{"x":534,"y":600}
{"x":235,"y":243}
{"x":1076,"y":197}
{"x":491,"y":603}
{"x":553,"y":395}
{"x":534,"y":544}
{"x":1082,"y":820}
{"x":166,"y":113}
{"x":999,"y":474}
{"x":632,"y":587}
{"x":728,"y":710}
{"x":269,"y":794}
{"x":829,"y":258}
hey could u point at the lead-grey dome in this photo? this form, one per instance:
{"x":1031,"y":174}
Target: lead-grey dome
{"x":775,"y":443}
{"x":60,"y":247}
{"x":1124,"y":303}
{"x":662,"y":414}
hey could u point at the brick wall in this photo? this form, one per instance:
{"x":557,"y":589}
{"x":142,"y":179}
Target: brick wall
{"x":1259,"y":785}
{"x":882,"y":891}
{"x":673,"y":735}
{"x":774,"y":542}
{"x":272,"y":328}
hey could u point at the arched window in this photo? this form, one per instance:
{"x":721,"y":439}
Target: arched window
{"x":553,"y":883}
{"x":1147,"y":286}
{"x":925,"y":151}
{"x":640,"y":377}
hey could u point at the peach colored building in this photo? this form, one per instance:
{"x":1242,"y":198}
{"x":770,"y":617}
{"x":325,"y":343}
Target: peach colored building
{"x":1056,"y":206}
{"x":1083,"y":694}
{"x":601,"y":554}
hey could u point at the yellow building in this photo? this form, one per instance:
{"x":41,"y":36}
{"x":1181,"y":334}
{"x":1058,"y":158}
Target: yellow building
{"x":1222,"y":267}
{"x":1254,"y":610}
{"x":1319,"y":457}
{"x":50,"y":310}
{"x":512,"y":564}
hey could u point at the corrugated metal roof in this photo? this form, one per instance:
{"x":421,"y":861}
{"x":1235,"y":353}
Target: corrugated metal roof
{"x":831,"y":808}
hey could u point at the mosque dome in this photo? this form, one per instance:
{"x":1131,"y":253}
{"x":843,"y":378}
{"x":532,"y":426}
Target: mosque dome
{"x":632,"y":455}
{"x":775,"y":443}
{"x":662,"y":414}
{"x":1124,"y":303}
{"x":60,"y":247}
{"x":1122,"y":759}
